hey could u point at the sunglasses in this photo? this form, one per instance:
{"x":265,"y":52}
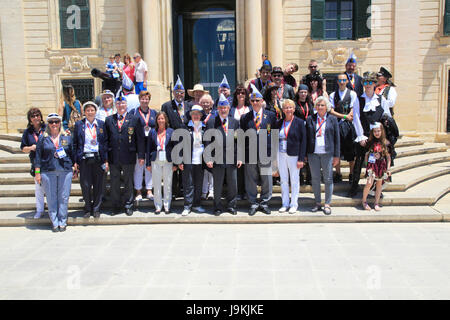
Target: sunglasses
{"x":35,"y":116}
{"x":135,"y":57}
{"x":313,"y":67}
{"x":259,"y":100}
{"x":53,"y":121}
{"x":368,"y":83}
{"x":240,"y":92}
{"x":277,"y":75}
{"x":342,"y":80}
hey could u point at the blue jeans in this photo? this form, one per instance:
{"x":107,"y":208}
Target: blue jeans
{"x":324,"y":163}
{"x":139,"y":87}
{"x":57,"y":186}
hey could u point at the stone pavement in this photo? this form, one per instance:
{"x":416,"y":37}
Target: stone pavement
{"x":258,"y":261}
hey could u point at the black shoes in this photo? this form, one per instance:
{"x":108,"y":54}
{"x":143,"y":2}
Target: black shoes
{"x":97,"y":214}
{"x":266,"y":210}
{"x":129,"y":212}
{"x":252,"y":211}
{"x":232,"y":211}
{"x":62,"y":229}
{"x":217,"y":212}
{"x":87,"y":214}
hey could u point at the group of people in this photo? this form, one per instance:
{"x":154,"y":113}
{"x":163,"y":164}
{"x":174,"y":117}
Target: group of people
{"x":300,"y":135}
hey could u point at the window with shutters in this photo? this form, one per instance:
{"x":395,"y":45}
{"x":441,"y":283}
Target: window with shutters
{"x":84,"y":88}
{"x":340,"y":19}
{"x":75,"y":25}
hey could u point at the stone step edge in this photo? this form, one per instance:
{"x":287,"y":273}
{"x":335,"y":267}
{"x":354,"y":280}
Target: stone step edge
{"x":226,"y":218}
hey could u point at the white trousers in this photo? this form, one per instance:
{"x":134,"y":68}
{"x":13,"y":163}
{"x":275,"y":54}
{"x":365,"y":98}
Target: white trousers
{"x":162,"y":175}
{"x":139,"y":176}
{"x":208,"y":182}
{"x":39,"y":193}
{"x":287,"y":167}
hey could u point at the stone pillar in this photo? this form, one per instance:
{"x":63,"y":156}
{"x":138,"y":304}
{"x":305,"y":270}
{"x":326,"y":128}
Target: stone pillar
{"x":253,"y":36}
{"x":131,"y":10}
{"x":152,"y":45}
{"x":275,"y":32}
{"x":406,"y":68}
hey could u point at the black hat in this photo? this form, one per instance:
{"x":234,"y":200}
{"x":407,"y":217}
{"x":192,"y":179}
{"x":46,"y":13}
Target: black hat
{"x":383,"y":72}
{"x":277,"y":70}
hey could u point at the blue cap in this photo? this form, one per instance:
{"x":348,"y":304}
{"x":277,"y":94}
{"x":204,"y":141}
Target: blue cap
{"x":121,"y":97}
{"x":224,"y":83}
{"x":351,"y":59}
{"x":303,"y":87}
{"x":223,"y":101}
{"x":255,"y":92}
{"x":178,"y":85}
{"x":127,"y":84}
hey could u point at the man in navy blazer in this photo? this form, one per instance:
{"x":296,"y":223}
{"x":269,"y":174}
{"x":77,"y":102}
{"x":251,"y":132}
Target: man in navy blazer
{"x":91,"y":156}
{"x":258,"y":119}
{"x":125,"y":140}
{"x":354,"y":80}
{"x":226,"y":125}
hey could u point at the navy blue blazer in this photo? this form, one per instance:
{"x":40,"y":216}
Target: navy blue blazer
{"x":171,"y":109}
{"x":332,"y":137}
{"x":45,"y":153}
{"x":152,"y":146}
{"x":29,"y":138}
{"x":297,"y":140}
{"x":151,"y":121}
{"x":79,"y":136}
{"x":268,"y":122}
{"x":124,"y":144}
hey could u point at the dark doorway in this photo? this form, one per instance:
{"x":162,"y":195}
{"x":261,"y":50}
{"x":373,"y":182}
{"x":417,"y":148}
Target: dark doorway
{"x":205,"y":43}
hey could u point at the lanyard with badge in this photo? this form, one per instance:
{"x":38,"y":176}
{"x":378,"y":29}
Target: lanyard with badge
{"x":36,"y":137}
{"x":93,"y":134}
{"x":162,"y":140}
{"x":197,"y":137}
{"x":286,"y":129}
{"x":320,"y":138}
{"x":146,"y":120}
{"x":60,"y":153}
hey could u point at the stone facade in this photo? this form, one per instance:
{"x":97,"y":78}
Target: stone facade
{"x":406,"y":37}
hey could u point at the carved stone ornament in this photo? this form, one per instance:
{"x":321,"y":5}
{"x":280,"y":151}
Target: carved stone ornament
{"x":76,"y":64}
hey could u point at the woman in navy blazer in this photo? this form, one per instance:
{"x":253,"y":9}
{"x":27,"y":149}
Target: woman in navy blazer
{"x":159,"y":161}
{"x":323,"y":150}
{"x":291,"y":155}
{"x":91,"y":156}
{"x":53,"y":168}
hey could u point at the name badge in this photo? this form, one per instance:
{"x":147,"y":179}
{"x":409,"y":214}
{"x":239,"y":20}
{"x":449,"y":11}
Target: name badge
{"x":320,"y":141}
{"x":162,"y":155}
{"x":94,"y":142}
{"x":283,"y":145}
{"x":372,"y":158}
{"x":61,"y":153}
{"x":147,"y":130}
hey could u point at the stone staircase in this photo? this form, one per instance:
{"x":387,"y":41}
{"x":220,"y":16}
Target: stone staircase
{"x":420,"y":178}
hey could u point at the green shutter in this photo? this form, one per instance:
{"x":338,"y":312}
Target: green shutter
{"x":447,"y":18}
{"x":362,"y":18}
{"x":75,"y":38}
{"x":317,"y":19}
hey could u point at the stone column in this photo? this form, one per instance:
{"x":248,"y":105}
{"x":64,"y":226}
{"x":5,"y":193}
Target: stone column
{"x":406,"y":71}
{"x":152,"y":16}
{"x":131,"y":10}
{"x":275,"y":32}
{"x":253,"y":36}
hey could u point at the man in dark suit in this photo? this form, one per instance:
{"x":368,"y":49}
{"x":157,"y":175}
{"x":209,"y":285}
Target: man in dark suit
{"x":125,"y":139}
{"x":178,"y":112}
{"x":285,"y":91}
{"x":226,"y":125}
{"x":258,"y":119}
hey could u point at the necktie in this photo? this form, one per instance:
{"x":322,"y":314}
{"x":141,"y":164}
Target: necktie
{"x":224,"y":125}
{"x":257,"y":121}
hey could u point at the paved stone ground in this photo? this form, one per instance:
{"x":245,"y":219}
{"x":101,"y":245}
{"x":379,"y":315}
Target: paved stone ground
{"x":260,"y":261}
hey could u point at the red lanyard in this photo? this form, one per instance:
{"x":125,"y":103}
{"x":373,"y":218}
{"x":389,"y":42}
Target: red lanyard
{"x":380,"y":89}
{"x":120,"y":122}
{"x":93,"y":134}
{"x":207,"y":118}
{"x":303,"y":109}
{"x":320,"y":123}
{"x":57,"y":141}
{"x":282,"y":91}
{"x":146,"y":118}
{"x":107,"y":112}
{"x":36,"y":137}
{"x":161,"y":140}
{"x":286,"y":132}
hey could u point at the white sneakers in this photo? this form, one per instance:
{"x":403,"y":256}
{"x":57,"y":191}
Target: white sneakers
{"x":185,"y":212}
{"x":139,"y":197}
{"x":285,"y":209}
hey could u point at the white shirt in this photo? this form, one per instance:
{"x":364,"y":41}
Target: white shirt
{"x":197,"y":149}
{"x":102,"y":113}
{"x":139,"y":72}
{"x":240,"y":112}
{"x":354,"y":102}
{"x":391,"y":98}
{"x":317,"y":148}
{"x":132,"y":102}
{"x":90,"y":130}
